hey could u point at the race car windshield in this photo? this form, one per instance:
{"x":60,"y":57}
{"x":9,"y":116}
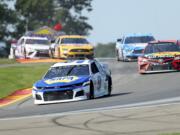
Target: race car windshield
{"x":37,"y":41}
{"x":143,"y":39}
{"x":74,"y":41}
{"x":61,"y":71}
{"x":161,"y":47}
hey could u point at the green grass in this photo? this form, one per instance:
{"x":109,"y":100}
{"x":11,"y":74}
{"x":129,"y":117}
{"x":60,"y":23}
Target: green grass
{"x":7,"y":61}
{"x":14,"y":78}
{"x":171,"y":134}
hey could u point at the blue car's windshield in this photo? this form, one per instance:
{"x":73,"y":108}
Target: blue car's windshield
{"x":161,"y":47}
{"x":142,"y":39}
{"x":71,"y":70}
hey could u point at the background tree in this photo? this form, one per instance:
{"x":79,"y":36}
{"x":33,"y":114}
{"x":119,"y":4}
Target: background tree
{"x":105,"y":50}
{"x":34,"y":13}
{"x":7,"y":21}
{"x":37,"y":13}
{"x":69,"y":12}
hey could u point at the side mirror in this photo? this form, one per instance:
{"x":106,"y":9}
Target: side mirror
{"x":119,"y":40}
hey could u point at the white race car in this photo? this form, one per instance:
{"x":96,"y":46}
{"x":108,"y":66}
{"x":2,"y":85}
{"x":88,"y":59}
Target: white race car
{"x":73,"y":81}
{"x":30,"y":47}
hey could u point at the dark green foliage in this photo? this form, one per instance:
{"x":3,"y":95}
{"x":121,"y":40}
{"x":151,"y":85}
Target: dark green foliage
{"x":29,"y":15}
{"x":7,"y":18}
{"x":74,"y":23}
{"x":105,"y":50}
{"x":37,"y":13}
{"x":34,"y":13}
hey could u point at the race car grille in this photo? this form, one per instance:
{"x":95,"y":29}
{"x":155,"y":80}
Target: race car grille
{"x":137,"y":51}
{"x":162,"y":67}
{"x":58,"y":87}
{"x":79,"y":50}
{"x":58,"y":95}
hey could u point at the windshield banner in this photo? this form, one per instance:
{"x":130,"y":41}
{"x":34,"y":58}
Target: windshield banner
{"x":62,"y":79}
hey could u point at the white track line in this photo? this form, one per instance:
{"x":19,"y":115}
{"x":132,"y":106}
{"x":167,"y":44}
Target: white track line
{"x":147,"y":104}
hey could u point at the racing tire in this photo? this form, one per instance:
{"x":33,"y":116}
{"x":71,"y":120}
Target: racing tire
{"x":122,"y":56}
{"x":24,"y":53}
{"x":109,"y":86}
{"x":51,"y":54}
{"x":117,"y":55}
{"x":91,"y":94}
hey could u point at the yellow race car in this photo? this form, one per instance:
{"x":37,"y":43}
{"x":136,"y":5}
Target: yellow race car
{"x":71,"y":46}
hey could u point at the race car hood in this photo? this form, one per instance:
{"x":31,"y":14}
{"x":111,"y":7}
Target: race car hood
{"x":77,"y":46}
{"x":162,"y":55}
{"x":37,"y":47}
{"x":61,"y":81}
{"x":138,"y":46}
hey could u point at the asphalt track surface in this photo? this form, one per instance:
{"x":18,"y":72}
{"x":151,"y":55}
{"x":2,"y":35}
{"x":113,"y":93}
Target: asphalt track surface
{"x":129,"y":87}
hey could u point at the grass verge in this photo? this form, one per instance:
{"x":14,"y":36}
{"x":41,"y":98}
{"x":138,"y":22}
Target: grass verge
{"x":7,"y":61}
{"x":14,"y":78}
{"x":171,"y":134}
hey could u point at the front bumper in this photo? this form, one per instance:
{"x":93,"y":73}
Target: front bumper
{"x":60,"y":96}
{"x":37,"y":53}
{"x":78,"y":55}
{"x":156,"y":68}
{"x":131,"y":57}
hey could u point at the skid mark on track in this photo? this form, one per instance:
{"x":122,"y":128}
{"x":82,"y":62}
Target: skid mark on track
{"x":90,"y":124}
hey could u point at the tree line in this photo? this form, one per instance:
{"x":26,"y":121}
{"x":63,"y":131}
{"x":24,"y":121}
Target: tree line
{"x":28,"y":15}
{"x":105,"y":50}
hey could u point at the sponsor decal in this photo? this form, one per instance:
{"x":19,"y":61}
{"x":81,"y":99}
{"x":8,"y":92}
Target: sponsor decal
{"x":177,"y":58}
{"x":176,"y":63}
{"x":163,"y":54}
{"x":65,"y":79}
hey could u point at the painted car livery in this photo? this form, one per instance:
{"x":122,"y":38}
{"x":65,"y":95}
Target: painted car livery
{"x":130,"y":47}
{"x":71,"y":46}
{"x":29,"y":47}
{"x":73,"y":81}
{"x":160,"y":56}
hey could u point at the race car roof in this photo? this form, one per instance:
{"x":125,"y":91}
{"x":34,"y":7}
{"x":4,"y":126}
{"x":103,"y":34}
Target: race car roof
{"x":164,"y":41}
{"x":34,"y":37}
{"x":75,"y":62}
{"x":138,"y":34}
{"x":72,"y":36}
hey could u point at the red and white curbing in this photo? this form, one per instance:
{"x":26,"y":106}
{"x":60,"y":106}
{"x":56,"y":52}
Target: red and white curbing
{"x":38,"y":60}
{"x":15,"y":96}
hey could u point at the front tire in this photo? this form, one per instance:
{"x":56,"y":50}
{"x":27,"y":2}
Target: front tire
{"x":24,"y":53}
{"x":51,"y":55}
{"x":122,"y":56}
{"x":91,"y":94}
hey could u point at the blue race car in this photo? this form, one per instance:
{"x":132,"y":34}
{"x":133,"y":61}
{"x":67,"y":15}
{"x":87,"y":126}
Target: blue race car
{"x":131,"y":46}
{"x":73,"y":81}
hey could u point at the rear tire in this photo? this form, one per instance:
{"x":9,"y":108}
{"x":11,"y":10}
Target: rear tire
{"x":117,"y":55}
